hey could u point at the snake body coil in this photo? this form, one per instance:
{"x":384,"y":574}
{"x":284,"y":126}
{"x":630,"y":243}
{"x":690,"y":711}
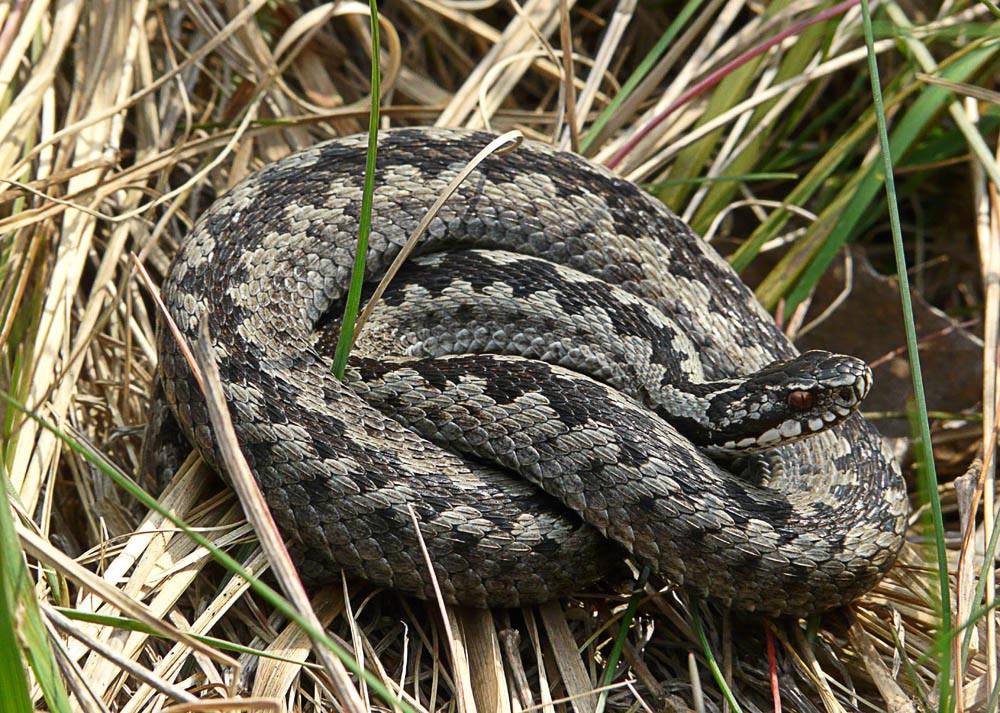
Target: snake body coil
{"x":572,"y":277}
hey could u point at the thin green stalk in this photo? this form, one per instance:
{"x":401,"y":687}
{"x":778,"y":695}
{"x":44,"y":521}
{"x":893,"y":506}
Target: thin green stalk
{"x":720,"y":680}
{"x":616,"y":650}
{"x":365,"y":224}
{"x":991,"y":549}
{"x":19,"y":611}
{"x":126,"y":624}
{"x":926,"y":451}
{"x":966,"y":627}
{"x":640,"y":73}
{"x":700,"y":180}
{"x":994,"y":697}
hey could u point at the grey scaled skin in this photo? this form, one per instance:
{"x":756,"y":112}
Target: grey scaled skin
{"x":818,"y":525}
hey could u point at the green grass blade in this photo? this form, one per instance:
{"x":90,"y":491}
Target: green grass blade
{"x":811,"y":42}
{"x":914,"y":124}
{"x":691,"y":161}
{"x":21,"y":622}
{"x":12,"y":679}
{"x":926,"y":449}
{"x":992,"y":7}
{"x":738,"y":178}
{"x":126,"y":624}
{"x":736,"y":78}
{"x":713,"y":665}
{"x":798,"y":271}
{"x":813,"y":182}
{"x":647,"y":64}
{"x":616,"y":649}
{"x":344,"y":341}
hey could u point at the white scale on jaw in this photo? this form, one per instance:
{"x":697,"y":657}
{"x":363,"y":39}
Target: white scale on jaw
{"x":786,"y":430}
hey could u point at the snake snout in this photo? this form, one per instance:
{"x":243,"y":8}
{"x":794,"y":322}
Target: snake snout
{"x":846,"y":379}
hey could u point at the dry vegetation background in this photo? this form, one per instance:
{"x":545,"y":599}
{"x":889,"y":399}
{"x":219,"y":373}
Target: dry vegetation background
{"x":120,"y":121}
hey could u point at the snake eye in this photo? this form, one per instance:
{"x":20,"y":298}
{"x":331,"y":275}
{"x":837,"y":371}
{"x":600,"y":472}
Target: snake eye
{"x":800,"y":400}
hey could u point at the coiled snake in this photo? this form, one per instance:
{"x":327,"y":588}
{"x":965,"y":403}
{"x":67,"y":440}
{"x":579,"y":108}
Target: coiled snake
{"x":607,"y":415}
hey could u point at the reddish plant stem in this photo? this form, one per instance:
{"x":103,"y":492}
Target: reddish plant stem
{"x":715,"y":77}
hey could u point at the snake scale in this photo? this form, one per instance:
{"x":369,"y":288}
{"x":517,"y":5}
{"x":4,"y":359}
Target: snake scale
{"x":539,"y":387}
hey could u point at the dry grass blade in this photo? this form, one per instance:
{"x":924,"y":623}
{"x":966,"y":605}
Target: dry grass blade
{"x":486,"y":671}
{"x":506,"y":142}
{"x":537,"y":18}
{"x":962,"y":88}
{"x":575,"y":677}
{"x":260,"y":517}
{"x":454,"y":633}
{"x":32,"y":460}
{"x":125,"y":663}
{"x":988,"y":233}
{"x":568,"y":84}
{"x":44,"y":552}
{"x":896,"y":700}
{"x":599,"y":72}
{"x":277,"y":676}
{"x":662,"y":156}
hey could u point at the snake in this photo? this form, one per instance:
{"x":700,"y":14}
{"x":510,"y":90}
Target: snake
{"x":562,"y":379}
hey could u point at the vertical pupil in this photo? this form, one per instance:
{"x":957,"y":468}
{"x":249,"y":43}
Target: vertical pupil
{"x":800,"y":400}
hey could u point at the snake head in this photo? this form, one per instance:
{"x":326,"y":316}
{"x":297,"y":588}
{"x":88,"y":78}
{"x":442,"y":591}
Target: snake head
{"x":785,"y":402}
